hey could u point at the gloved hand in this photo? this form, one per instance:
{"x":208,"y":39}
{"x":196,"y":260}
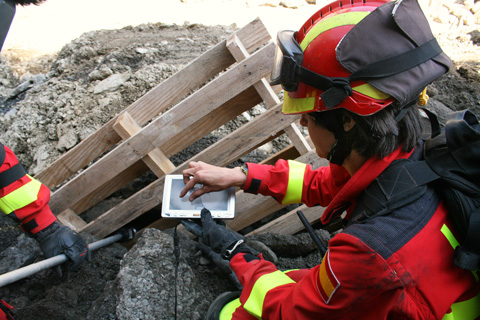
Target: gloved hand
{"x":56,"y":239}
{"x":217,"y":237}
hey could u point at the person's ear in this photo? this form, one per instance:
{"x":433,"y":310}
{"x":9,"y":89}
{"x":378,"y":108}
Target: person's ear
{"x":348,"y":123}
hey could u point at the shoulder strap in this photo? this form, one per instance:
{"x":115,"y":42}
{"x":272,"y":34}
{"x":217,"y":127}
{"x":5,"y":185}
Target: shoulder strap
{"x":403,"y":182}
{"x":11,"y":175}
{"x":467,"y":255}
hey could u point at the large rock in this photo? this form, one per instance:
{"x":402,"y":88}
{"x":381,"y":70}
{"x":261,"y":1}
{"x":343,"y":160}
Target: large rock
{"x":147,"y":282}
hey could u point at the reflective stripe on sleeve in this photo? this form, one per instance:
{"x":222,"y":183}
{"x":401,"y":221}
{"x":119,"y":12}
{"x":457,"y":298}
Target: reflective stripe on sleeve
{"x":267,"y":282}
{"x":295,"y":182}
{"x":20,"y":197}
{"x":227,"y":312}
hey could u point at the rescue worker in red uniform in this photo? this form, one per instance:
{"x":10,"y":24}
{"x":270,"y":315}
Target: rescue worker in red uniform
{"x":26,"y":200}
{"x":354,"y":72}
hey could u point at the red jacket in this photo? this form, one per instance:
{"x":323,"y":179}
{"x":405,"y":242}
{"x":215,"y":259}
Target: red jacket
{"x":398,"y":266}
{"x":21,"y":196}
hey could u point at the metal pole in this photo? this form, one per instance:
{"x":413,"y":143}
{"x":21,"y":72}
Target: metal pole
{"x":29,"y":270}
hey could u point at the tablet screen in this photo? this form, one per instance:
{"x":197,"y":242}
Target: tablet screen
{"x":221,"y":203}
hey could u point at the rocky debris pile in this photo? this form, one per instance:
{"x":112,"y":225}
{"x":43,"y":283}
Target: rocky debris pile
{"x":92,"y":79}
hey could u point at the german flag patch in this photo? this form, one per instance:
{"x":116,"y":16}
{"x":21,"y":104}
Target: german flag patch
{"x":328,"y":281}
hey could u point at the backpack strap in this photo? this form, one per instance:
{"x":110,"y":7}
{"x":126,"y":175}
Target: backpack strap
{"x":467,"y":256}
{"x":403,"y":182}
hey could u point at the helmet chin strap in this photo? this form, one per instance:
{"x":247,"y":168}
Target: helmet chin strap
{"x":333,"y":122}
{"x":339,"y":150}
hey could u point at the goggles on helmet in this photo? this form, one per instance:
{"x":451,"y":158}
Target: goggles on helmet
{"x":288,"y":60}
{"x":288,"y":70}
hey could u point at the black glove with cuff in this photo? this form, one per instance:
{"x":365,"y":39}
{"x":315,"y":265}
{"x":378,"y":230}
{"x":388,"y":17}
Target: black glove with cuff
{"x":56,"y":239}
{"x":220,"y":239}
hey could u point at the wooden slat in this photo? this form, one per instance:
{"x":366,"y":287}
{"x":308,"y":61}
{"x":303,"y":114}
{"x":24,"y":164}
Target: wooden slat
{"x":156,"y":160}
{"x":267,"y":93}
{"x":253,"y":36}
{"x":290,"y":223}
{"x":70,"y":219}
{"x":175,"y":124}
{"x":239,"y":52}
{"x":101,"y":191}
{"x":298,"y":139}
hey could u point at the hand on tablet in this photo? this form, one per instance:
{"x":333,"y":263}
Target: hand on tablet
{"x":212,"y":178}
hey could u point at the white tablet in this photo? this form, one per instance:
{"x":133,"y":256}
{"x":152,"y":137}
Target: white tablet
{"x":221,"y":203}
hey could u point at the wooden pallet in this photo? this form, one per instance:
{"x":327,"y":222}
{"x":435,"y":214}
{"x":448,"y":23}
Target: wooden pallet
{"x":226,"y":81}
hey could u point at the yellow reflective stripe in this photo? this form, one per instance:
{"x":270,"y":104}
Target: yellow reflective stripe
{"x":289,"y":270}
{"x":254,"y":304}
{"x":21,"y":197}
{"x":297,"y":105}
{"x":371,"y":91}
{"x":448,"y":316}
{"x":227,"y":311}
{"x":465,"y":310}
{"x":345,"y":19}
{"x":295,"y":182}
{"x":449,"y":235}
{"x":454,"y":243}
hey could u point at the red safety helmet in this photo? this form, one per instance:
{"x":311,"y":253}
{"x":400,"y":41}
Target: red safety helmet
{"x":320,"y":70}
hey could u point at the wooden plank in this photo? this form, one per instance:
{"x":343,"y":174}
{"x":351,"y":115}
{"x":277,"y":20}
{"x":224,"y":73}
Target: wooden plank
{"x":70,"y":219}
{"x":298,"y":139}
{"x":156,"y":160}
{"x":253,"y":36}
{"x":239,"y":52}
{"x":101,"y":191}
{"x":195,"y":111}
{"x":290,"y":223}
{"x":268,"y":95}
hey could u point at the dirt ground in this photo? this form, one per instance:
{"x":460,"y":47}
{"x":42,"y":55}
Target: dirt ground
{"x":55,"y":109}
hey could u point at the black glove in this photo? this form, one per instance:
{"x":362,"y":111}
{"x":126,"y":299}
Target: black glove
{"x":56,"y":239}
{"x":219,"y":238}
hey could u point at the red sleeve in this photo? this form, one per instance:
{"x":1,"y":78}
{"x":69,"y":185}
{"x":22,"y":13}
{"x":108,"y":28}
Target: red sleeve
{"x":352,"y":282}
{"x":319,"y":186}
{"x":35,"y":214}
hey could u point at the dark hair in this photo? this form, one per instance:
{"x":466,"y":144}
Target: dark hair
{"x":376,"y":135}
{"x":27,"y":2}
